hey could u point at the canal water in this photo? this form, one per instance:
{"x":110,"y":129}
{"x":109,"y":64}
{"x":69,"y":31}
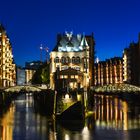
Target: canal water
{"x":113,"y":119}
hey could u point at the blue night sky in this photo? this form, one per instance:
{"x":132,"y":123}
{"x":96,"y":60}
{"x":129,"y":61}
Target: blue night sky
{"x":29,"y":23}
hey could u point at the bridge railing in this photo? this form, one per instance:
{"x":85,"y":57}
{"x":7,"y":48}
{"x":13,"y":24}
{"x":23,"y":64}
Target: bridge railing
{"x":27,"y":88}
{"x":116,"y":88}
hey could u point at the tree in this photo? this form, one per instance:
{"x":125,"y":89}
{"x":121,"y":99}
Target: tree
{"x":45,"y":75}
{"x":42,"y":75}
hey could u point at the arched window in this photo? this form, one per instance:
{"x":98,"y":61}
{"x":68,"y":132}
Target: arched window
{"x":78,"y":60}
{"x":73,"y":59}
{"x":67,"y":60}
{"x":63,"y":60}
{"x":56,"y":60}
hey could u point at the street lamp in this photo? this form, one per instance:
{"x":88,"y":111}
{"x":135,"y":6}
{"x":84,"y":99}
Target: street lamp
{"x":41,"y":48}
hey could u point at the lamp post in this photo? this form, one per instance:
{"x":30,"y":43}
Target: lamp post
{"x":41,"y":48}
{"x":47,"y":51}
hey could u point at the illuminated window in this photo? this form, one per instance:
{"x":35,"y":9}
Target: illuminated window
{"x":65,"y":76}
{"x":72,"y":76}
{"x":61,"y":76}
{"x":76,"y":76}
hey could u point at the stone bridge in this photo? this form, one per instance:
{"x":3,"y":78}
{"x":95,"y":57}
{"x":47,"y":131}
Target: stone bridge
{"x":117,"y":88}
{"x":25,"y":88}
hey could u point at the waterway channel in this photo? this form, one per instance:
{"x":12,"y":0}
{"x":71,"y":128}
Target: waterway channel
{"x":113,"y":119}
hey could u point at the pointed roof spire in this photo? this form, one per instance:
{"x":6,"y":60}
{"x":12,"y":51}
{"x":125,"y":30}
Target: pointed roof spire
{"x":84,"y":41}
{"x":97,"y":60}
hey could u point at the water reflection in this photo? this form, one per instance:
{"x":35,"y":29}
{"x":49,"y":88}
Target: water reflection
{"x":114,"y":113}
{"x":6,"y":127}
{"x":111,"y":117}
{"x":21,"y":123}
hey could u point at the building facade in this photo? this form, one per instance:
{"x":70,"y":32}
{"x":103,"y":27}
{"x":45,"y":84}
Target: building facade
{"x":28,"y":75}
{"x":7,"y":66}
{"x":131,"y":57}
{"x":72,"y":61}
{"x":20,"y":76}
{"x":30,"y":69}
{"x":126,"y":66}
{"x":108,"y":72}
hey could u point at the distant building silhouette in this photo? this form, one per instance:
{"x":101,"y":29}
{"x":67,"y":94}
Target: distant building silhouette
{"x":33,"y":65}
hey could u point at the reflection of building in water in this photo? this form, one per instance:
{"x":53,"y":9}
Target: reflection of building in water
{"x":7,"y":125}
{"x":112,"y":112}
{"x":125,"y":115}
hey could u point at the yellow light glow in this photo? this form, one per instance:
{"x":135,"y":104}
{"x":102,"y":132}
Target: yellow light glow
{"x":67,"y":137}
{"x":79,"y":97}
{"x":67,"y":96}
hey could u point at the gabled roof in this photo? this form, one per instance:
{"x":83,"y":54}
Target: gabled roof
{"x":65,"y":41}
{"x":72,"y":43}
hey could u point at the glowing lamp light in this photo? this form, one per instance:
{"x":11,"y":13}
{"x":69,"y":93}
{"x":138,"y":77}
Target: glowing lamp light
{"x":41,"y":48}
{"x":79,"y":97}
{"x":67,"y":96}
{"x":67,"y":137}
{"x":85,"y":130}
